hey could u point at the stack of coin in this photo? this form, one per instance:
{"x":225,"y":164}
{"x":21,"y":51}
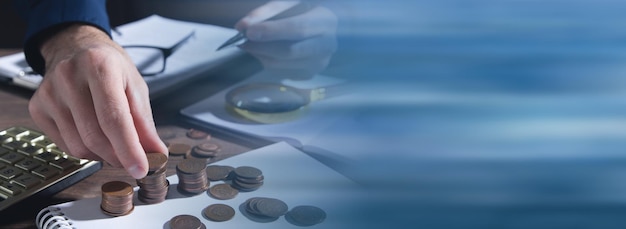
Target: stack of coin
{"x":247,"y":178}
{"x":117,"y":198}
{"x":153,"y":188}
{"x":219,"y":172}
{"x":265,"y":208}
{"x":192,"y":175}
{"x":305,"y":216}
{"x":198,"y":134}
{"x":206,"y":150}
{"x":186,"y":222}
{"x":179,"y":149}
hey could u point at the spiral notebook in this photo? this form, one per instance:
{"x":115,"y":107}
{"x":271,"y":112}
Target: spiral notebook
{"x":290,"y":175}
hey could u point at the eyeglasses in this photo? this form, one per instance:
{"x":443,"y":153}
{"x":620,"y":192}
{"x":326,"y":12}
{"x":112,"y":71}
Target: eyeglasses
{"x":150,"y":60}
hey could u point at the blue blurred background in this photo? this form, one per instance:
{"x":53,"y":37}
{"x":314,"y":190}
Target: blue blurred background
{"x":487,"y":113}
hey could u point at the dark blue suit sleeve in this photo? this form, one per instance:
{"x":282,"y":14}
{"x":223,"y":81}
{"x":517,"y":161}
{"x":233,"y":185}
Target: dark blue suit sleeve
{"x":46,"y":17}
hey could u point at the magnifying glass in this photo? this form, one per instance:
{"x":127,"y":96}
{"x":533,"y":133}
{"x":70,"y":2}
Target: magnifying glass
{"x":270,"y":102}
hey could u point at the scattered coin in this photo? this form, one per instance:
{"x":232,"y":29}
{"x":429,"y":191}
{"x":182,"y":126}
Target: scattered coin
{"x":219,"y":212}
{"x":198,"y":134}
{"x":270,"y":207}
{"x":186,"y":222}
{"x":248,"y":172}
{"x":247,"y":178}
{"x":179,"y":149}
{"x":206,"y":150}
{"x":117,"y":198}
{"x":305,"y":216}
{"x":266,"y":207}
{"x":223,"y":192}
{"x":218,"y":172}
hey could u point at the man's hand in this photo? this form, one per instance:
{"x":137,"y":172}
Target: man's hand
{"x":93,"y":103}
{"x":300,"y":46}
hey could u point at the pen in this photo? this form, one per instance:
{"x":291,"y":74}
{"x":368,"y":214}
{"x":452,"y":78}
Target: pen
{"x":302,"y":7}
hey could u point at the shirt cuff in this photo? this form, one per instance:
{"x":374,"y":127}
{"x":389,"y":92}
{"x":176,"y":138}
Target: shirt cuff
{"x":50,"y":16}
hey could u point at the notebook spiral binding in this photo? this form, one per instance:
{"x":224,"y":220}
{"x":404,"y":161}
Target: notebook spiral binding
{"x":52,"y":218}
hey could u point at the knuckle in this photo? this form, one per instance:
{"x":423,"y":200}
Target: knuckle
{"x":93,"y":140}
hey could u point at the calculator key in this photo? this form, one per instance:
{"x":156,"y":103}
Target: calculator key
{"x":28,"y":164}
{"x":11,"y":157}
{"x":27,"y":181}
{"x":45,"y":143}
{"x":29,"y":137}
{"x":46,"y":157}
{"x":14,"y":145}
{"x":11,"y":189}
{"x":5,"y":138}
{"x":15,"y":131}
{"x":30,"y":150}
{"x":63,"y":163}
{"x":46,"y":172}
{"x":10,"y":172}
{"x":3,"y":151}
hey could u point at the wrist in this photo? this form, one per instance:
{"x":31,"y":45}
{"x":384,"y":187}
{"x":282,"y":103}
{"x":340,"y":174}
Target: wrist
{"x":70,"y":40}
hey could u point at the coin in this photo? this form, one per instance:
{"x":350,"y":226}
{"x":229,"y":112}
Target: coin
{"x":117,"y":198}
{"x":198,"y":134}
{"x":185,"y":222}
{"x":218,"y":172}
{"x":223,"y":192}
{"x":192,"y":175}
{"x":156,"y":161}
{"x":153,"y":188}
{"x":117,"y":188}
{"x":248,"y":172}
{"x":206,"y":149}
{"x":219,"y":212}
{"x":191,"y":166}
{"x":305,"y":216}
{"x":179,"y":149}
{"x":270,"y":207}
{"x":245,"y":187}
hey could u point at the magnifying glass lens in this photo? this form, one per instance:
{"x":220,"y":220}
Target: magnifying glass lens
{"x":267,"y":98}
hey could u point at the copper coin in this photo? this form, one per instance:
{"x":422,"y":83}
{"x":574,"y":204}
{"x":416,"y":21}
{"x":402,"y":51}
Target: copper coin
{"x":218,"y":172}
{"x":305,"y":216}
{"x":219,"y":212}
{"x":223,"y":192}
{"x":185,"y":222}
{"x":191,"y":166}
{"x":257,"y":180}
{"x":246,"y":187}
{"x":270,"y":207}
{"x":117,"y":188}
{"x":206,"y":149}
{"x":208,"y":146}
{"x":248,"y":172}
{"x":198,"y":134}
{"x":179,"y":149}
{"x":156,"y":161}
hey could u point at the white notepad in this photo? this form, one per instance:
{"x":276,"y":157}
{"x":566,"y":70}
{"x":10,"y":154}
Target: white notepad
{"x":194,"y":57}
{"x":290,"y":175}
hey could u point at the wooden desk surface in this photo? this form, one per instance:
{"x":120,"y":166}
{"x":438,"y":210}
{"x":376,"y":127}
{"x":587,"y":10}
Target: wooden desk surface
{"x":14,"y":104}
